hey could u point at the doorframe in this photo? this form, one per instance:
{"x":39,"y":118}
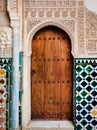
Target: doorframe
{"x":26,"y":98}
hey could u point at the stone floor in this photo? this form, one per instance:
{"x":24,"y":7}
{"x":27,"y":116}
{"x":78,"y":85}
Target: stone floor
{"x":50,"y":125}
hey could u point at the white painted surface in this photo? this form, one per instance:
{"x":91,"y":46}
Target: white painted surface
{"x":91,"y":5}
{"x":67,"y":125}
{"x":15,"y":90}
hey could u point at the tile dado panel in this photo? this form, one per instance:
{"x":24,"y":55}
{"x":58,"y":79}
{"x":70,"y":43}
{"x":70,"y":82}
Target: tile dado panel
{"x":5,"y":93}
{"x":85,"y":94}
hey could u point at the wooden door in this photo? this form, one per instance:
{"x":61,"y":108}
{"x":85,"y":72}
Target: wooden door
{"x":51,"y":75}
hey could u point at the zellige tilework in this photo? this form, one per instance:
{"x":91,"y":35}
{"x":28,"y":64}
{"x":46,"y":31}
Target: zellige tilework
{"x":5,"y":96}
{"x":86,"y":94}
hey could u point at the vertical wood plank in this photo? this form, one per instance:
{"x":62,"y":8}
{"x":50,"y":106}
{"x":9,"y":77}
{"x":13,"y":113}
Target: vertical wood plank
{"x":37,"y":74}
{"x":56,"y":72}
{"x":66,"y":79}
{"x":48,"y":74}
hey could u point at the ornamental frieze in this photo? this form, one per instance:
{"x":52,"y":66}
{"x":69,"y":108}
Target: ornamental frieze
{"x":68,"y":23}
{"x":50,"y":13}
{"x":49,"y":3}
{"x":51,"y":9}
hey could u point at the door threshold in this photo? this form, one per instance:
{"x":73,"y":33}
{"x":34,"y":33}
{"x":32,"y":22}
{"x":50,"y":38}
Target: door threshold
{"x":52,"y":125}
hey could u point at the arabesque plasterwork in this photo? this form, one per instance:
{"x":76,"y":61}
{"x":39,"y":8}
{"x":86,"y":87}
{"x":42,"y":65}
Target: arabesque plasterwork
{"x":12,"y":6}
{"x":38,"y":24}
{"x":5,"y":42}
{"x":5,"y":34}
{"x":91,"y":33}
{"x":71,"y":14}
{"x":57,"y":13}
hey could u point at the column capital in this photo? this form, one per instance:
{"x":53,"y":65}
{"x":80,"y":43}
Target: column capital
{"x":15,"y":22}
{"x":16,"y":30}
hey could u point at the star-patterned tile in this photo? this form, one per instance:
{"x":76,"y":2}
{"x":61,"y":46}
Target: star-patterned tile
{"x":5,"y":67}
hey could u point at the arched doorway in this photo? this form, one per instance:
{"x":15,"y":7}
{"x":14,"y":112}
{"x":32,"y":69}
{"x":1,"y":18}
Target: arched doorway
{"x":51,"y":75}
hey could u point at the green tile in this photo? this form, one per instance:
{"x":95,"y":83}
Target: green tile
{"x":10,"y":93}
{"x":84,"y":123}
{"x":20,"y":95}
{"x":89,"y":69}
{"x":79,"y":69}
{"x":78,"y":127}
{"x":89,"y":98}
{"x":6,"y":113}
{"x":94,"y":84}
{"x":84,"y":103}
{"x":10,"y":108}
{"x":83,"y":65}
{"x":84,"y":74}
{"x":78,"y":98}
{"x":7,"y":105}
{"x":84,"y":93}
{"x":89,"y":127}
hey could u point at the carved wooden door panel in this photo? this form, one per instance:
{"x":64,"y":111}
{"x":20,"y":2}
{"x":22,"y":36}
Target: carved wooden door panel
{"x":51,"y":75}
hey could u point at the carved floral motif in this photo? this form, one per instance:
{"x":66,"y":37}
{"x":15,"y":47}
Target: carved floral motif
{"x":50,"y":12}
{"x":91,"y":31}
{"x":5,"y":43}
{"x":32,"y":23}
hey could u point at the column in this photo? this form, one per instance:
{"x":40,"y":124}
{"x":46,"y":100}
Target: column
{"x":16,"y":82}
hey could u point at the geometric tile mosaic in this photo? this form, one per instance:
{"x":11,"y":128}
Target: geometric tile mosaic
{"x":20,"y":89}
{"x":86,"y":94}
{"x":5,"y":85}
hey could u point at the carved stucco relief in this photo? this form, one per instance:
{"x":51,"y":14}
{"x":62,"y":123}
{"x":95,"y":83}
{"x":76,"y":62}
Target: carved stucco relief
{"x":13,"y":6}
{"x":91,"y":32}
{"x":49,"y":9}
{"x":80,"y":27}
{"x":50,"y":13}
{"x":72,"y":15}
{"x":5,"y":42}
{"x":5,"y":32}
{"x":61,"y":14}
{"x":35,"y":25}
{"x":36,"y":12}
{"x":68,"y":23}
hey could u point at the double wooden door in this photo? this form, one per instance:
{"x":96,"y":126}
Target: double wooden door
{"x":51,"y":75}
